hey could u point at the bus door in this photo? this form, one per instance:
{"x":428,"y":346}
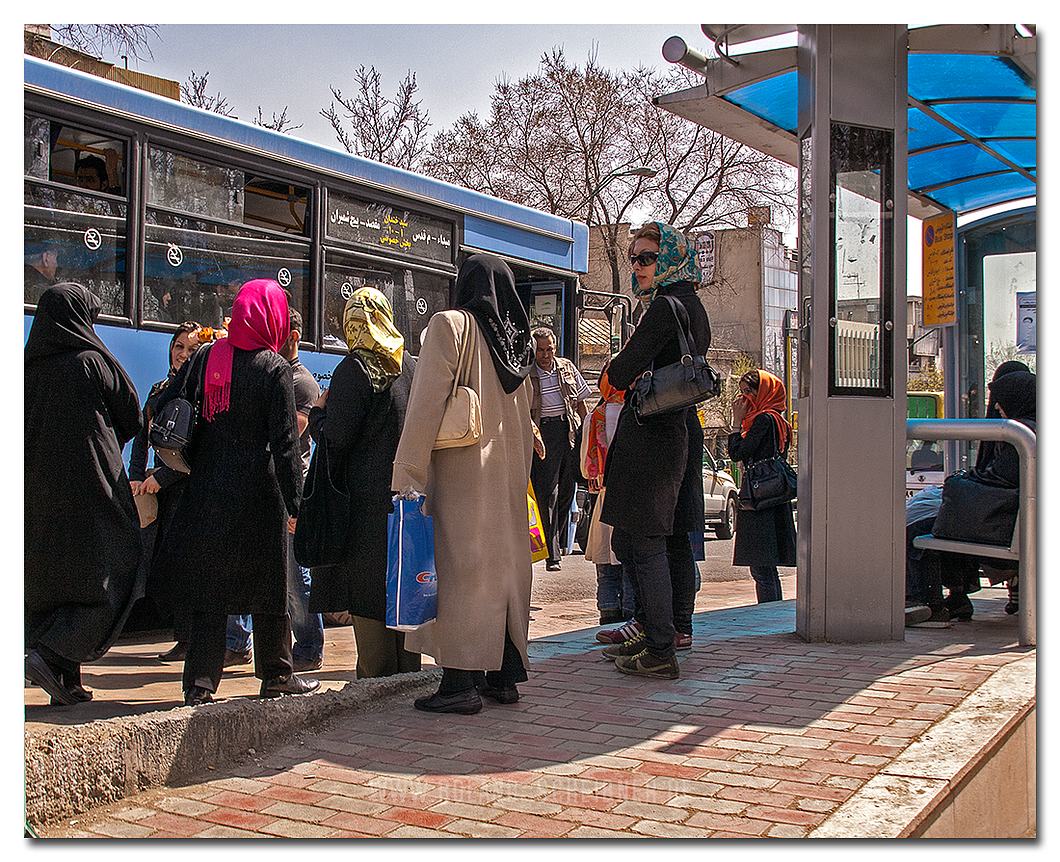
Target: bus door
{"x":603,"y":324}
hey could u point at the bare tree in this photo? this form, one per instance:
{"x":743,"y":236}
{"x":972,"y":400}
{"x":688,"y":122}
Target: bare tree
{"x":279,"y":122}
{"x":566,"y":138}
{"x":130,"y":40}
{"x":372,"y":125}
{"x":193,"y":91}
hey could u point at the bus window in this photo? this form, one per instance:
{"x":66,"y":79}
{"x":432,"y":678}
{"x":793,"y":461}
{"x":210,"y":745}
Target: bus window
{"x":413,"y":294}
{"x":208,"y":230}
{"x":74,"y":211}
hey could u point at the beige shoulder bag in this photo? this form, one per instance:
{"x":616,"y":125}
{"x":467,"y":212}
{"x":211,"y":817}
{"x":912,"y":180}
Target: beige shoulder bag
{"x":462,"y":420}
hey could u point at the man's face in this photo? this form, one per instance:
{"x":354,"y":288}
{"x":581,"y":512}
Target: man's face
{"x":545,"y":353}
{"x":88,"y":178}
{"x":49,"y":263}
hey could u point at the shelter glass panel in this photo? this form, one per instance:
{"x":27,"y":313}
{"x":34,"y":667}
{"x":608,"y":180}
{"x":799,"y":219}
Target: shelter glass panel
{"x":861,"y":210}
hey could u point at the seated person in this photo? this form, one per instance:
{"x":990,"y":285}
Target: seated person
{"x":96,"y":175}
{"x":927,"y":572}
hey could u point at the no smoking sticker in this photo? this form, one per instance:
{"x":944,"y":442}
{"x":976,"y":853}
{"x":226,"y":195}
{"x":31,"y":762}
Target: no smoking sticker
{"x":174,"y":255}
{"x":421,"y":305}
{"x":284,"y":277}
{"x":92,"y":238}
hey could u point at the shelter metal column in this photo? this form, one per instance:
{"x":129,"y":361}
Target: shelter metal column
{"x":852,"y":379}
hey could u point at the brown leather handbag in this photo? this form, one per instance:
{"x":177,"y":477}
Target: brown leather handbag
{"x":462,"y":420}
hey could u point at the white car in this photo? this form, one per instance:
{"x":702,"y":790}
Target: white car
{"x":720,"y":498}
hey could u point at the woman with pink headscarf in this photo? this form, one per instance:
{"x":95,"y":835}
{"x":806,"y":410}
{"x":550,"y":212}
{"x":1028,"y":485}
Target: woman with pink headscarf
{"x":228,"y":541}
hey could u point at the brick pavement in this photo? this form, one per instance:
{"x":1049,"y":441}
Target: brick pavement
{"x":762,"y":736}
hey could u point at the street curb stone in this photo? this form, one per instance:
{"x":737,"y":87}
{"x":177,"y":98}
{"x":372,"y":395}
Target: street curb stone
{"x":70,"y":769}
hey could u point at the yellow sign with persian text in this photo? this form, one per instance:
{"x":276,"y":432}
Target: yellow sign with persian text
{"x":939,"y":270}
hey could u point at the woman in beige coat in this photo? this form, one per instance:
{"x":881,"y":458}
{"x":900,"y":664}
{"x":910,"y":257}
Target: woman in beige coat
{"x":476,"y":493}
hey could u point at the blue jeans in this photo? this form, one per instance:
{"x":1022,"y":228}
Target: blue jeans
{"x":615,"y":590}
{"x":767,"y":583}
{"x":308,"y":628}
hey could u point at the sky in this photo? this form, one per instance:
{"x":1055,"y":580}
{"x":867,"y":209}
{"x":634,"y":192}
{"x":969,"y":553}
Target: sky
{"x":456,"y":66}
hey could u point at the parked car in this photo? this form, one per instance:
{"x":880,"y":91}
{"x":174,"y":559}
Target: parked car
{"x":720,"y":497}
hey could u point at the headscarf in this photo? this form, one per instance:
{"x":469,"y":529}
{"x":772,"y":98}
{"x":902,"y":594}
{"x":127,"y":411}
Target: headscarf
{"x":677,"y":263}
{"x":1017,"y":393}
{"x":64,"y":322}
{"x":368,"y":323}
{"x":260,"y":320}
{"x":485,"y":287}
{"x":985,"y":453}
{"x":769,"y":398}
{"x":596,"y":451}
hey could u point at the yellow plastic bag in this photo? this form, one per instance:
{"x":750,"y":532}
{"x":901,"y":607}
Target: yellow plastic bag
{"x":538,"y":546}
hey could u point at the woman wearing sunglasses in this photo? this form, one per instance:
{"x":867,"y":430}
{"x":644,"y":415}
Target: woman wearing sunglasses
{"x":654,"y":489}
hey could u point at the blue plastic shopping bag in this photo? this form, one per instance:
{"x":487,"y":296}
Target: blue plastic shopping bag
{"x":411,"y":577}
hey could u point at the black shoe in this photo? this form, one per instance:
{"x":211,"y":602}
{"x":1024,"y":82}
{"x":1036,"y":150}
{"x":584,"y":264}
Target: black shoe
{"x":179,"y":652}
{"x":462,"y":702}
{"x":959,"y":606}
{"x":197,"y":696}
{"x":76,"y":689}
{"x":506,"y":694}
{"x":552,"y":566}
{"x":645,"y":664}
{"x":1013,"y":604}
{"x":610,"y":618}
{"x":43,"y":675}
{"x":308,"y":663}
{"x":233,"y":658}
{"x":290,"y":684}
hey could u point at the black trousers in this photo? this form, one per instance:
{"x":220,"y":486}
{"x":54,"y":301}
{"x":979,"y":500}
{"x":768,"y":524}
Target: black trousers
{"x":553,"y":481}
{"x":512,"y":671}
{"x":649,"y":563}
{"x":206,"y":649}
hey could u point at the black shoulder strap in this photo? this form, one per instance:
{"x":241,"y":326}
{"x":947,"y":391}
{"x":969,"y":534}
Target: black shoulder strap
{"x":684,"y":326}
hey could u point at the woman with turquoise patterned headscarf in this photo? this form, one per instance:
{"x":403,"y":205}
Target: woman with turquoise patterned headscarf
{"x":661,"y":256}
{"x":652,"y":478}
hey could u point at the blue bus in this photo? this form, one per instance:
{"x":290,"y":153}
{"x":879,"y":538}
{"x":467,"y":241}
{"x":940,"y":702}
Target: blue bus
{"x":163,"y":210}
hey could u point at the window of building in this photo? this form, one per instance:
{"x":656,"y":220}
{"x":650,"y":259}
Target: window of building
{"x":74,"y":211}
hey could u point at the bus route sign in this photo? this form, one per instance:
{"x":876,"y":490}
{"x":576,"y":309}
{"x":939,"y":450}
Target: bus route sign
{"x":940,"y":295}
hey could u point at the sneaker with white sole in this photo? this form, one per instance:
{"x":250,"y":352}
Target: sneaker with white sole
{"x":682,"y":641}
{"x":621,"y":634}
{"x":631,"y":647}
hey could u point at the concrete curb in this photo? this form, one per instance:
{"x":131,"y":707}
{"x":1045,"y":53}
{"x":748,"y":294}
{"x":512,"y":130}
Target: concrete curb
{"x":897,"y":802}
{"x":70,"y":769}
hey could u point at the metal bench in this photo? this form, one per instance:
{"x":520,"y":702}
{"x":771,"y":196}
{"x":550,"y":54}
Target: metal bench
{"x":1024,"y":536}
{"x":950,"y":546}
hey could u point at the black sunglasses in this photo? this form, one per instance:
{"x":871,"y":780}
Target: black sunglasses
{"x":645,"y":258}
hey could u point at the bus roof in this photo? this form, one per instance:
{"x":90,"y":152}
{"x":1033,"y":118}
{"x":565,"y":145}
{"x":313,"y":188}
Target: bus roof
{"x":490,"y":224}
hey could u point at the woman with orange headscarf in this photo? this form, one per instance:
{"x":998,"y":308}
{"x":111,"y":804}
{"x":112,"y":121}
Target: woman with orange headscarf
{"x":615,"y":590}
{"x":764,"y":539}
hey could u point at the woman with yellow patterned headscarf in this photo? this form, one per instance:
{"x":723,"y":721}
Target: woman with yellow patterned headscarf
{"x":368,"y":323}
{"x":360,"y":418}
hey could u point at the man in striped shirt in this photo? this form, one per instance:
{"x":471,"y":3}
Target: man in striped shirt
{"x":558,"y":407}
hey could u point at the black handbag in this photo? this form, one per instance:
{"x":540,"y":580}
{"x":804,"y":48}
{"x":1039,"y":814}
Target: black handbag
{"x":974,"y":510}
{"x":680,"y":384}
{"x":172,"y":429}
{"x":768,"y":482}
{"x":324,"y":518}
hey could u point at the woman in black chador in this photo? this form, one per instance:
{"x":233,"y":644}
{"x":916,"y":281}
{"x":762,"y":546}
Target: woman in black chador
{"x":82,"y":533}
{"x":227,"y":545}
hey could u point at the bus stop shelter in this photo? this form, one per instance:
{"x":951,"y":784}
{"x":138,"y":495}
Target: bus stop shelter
{"x":881,"y":121}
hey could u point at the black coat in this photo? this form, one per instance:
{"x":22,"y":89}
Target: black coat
{"x":690,"y":515}
{"x":362,"y":428}
{"x":765,"y":538}
{"x":227,"y":543}
{"x":82,"y":534}
{"x":647,"y":460}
